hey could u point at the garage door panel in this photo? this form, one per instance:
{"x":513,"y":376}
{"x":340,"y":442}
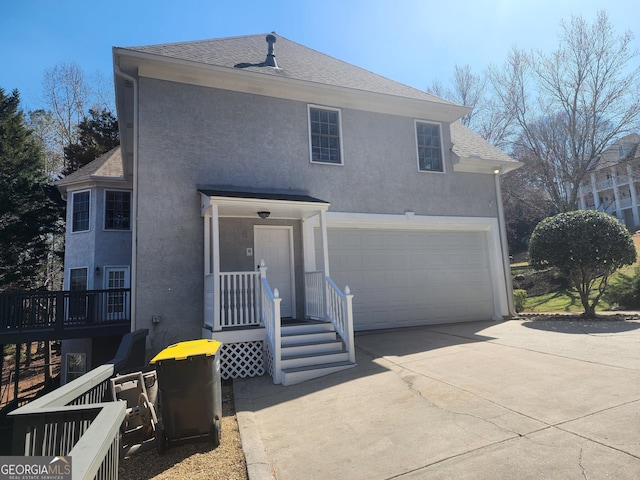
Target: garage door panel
{"x":401,"y":278}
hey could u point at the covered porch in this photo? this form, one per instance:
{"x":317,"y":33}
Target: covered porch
{"x":265,"y":261}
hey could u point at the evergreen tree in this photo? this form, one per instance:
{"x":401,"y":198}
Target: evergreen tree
{"x":97,"y":135}
{"x":28,"y":211}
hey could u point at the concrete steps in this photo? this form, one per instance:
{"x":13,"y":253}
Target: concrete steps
{"x":311,"y":350}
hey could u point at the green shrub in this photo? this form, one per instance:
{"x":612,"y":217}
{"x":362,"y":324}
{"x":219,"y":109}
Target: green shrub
{"x":625,"y":291}
{"x":587,"y":247}
{"x":519,"y":298}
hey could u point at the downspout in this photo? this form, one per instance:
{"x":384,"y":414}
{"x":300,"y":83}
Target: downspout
{"x":503,"y":243}
{"x":134,"y":201}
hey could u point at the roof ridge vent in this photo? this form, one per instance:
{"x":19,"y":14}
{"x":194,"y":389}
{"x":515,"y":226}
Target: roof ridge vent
{"x":270,"y":61}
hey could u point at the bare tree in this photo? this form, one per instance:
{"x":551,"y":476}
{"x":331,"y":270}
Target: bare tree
{"x":66,"y":95}
{"x":471,"y":90}
{"x":571,"y":104}
{"x":44,"y":131}
{"x":69,"y":93}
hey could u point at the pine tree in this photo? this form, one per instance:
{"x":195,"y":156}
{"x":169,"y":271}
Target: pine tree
{"x":97,"y":135}
{"x":28,"y":211}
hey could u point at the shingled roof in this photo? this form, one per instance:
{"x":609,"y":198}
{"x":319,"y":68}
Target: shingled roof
{"x":612,"y":156}
{"x":294,"y":61}
{"x":107,"y":166}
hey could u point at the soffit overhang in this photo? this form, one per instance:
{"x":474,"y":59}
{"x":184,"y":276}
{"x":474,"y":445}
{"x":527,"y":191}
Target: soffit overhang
{"x":484,"y":165}
{"x":247,"y":204}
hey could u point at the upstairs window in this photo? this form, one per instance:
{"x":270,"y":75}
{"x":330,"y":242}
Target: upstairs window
{"x":429,"y":147}
{"x":117,"y":210}
{"x":80,"y":220}
{"x":324,"y":134}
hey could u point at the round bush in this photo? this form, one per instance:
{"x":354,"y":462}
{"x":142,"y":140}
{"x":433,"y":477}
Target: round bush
{"x":586,"y":246}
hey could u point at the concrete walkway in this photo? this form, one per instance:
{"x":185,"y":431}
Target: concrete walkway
{"x":520,"y":399}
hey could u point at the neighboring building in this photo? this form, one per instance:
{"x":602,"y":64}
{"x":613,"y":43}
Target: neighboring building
{"x":244,"y":149}
{"x":613,"y":185}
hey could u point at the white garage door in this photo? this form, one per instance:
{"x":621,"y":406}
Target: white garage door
{"x":407,"y":278}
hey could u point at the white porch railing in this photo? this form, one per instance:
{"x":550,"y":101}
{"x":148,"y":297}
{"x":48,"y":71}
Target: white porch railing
{"x":270,"y":314}
{"x":314,"y":298}
{"x":604,"y":184}
{"x":340,"y":313}
{"x":239,"y":299}
{"x":622,"y":179}
{"x":325,"y":301}
{"x":246,"y":299}
{"x":625,"y":202}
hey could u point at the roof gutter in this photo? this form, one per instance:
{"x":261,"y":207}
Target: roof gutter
{"x":134,"y":201}
{"x":504,"y":244}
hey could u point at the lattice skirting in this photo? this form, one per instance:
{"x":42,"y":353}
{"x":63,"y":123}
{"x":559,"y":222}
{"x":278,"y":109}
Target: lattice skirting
{"x":241,"y":360}
{"x":268,"y":358}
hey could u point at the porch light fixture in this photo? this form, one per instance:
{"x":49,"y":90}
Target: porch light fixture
{"x":97,"y":270}
{"x":264,"y":215}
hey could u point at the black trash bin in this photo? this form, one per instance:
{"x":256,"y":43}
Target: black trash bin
{"x":189,"y":391}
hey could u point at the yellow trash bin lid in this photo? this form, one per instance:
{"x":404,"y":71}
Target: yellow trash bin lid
{"x":184,"y":350}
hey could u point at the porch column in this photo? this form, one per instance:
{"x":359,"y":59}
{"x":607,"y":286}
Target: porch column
{"x":616,"y":194}
{"x":634,"y":196}
{"x":581,"y":198}
{"x":215,"y":254}
{"x":309,"y":244}
{"x":594,"y":189}
{"x":325,"y":244}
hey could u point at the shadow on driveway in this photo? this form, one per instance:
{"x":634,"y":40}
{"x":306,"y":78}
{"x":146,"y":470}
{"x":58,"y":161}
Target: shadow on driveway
{"x":582,"y":326}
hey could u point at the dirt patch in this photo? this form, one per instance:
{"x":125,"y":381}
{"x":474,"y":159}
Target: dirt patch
{"x":32,"y":377}
{"x":196,"y":460}
{"x":539,"y":283}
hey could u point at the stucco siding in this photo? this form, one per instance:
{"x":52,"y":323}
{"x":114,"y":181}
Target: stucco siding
{"x":190,"y":135}
{"x":208,"y":135}
{"x":96,"y":247}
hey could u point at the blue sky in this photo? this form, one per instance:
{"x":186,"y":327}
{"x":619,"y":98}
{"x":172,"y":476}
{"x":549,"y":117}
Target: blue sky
{"x":411,"y":41}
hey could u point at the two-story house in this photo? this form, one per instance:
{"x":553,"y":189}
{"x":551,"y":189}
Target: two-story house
{"x":613,"y":184}
{"x":282,"y":199}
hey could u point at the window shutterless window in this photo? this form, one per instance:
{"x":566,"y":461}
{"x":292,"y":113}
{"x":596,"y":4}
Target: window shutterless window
{"x":80,"y":220}
{"x":324,"y":135}
{"x":76,"y":365}
{"x":429,"y":147}
{"x":77,"y":307}
{"x":117,"y":210}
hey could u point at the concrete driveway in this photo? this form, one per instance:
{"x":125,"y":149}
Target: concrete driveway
{"x":520,"y":399}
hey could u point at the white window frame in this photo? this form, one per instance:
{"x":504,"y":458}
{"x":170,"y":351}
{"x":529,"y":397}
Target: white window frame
{"x":86,"y":268}
{"x":415,"y":136}
{"x":127,"y":284}
{"x":73,"y":196}
{"x":331,"y":109}
{"x":104,"y":222}
{"x":72,"y":375}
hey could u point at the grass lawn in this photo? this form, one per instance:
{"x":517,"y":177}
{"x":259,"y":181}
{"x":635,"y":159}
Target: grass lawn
{"x":569,"y":300}
{"x":566,"y":301}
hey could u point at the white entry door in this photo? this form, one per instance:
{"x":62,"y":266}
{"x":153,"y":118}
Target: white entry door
{"x":274,"y":245}
{"x":117,"y":302}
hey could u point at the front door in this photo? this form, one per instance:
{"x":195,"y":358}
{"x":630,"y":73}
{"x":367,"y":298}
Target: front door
{"x":274,"y":245}
{"x":117,"y":302}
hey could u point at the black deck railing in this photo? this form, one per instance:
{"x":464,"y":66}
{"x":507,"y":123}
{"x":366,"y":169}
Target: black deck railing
{"x":36,"y":316}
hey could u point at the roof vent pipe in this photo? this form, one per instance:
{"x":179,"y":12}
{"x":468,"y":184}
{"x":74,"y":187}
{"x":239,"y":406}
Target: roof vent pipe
{"x":271,"y":57}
